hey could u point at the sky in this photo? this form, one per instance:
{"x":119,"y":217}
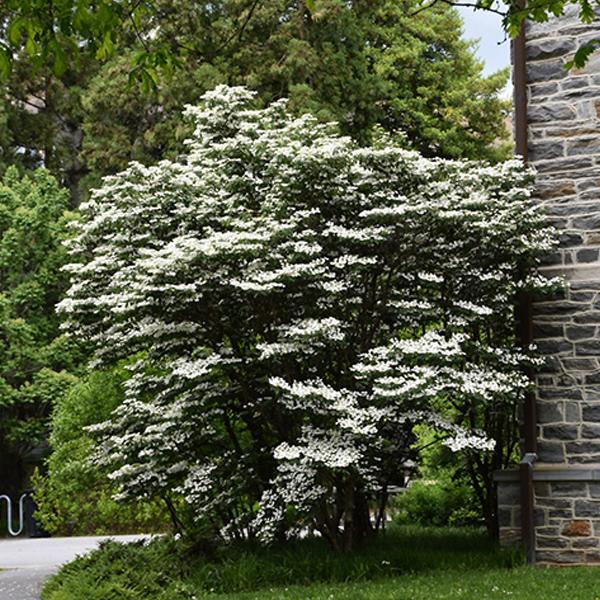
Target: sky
{"x":493,"y":49}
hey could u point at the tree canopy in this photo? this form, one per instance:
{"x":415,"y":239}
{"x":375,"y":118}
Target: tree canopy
{"x":56,"y":32}
{"x":367,"y":65}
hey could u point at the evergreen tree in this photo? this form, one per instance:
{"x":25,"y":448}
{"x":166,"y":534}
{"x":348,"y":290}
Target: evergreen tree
{"x":368,"y":64}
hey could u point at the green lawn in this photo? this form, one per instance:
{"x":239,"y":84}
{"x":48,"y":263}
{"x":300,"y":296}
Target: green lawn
{"x":407,"y":564}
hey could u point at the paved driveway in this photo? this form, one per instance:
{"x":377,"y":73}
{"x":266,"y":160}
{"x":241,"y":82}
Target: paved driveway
{"x":26,"y":563}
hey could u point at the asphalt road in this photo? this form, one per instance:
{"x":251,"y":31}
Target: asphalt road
{"x":26,"y":563}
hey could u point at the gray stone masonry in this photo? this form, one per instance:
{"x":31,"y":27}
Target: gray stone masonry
{"x":564,"y":148}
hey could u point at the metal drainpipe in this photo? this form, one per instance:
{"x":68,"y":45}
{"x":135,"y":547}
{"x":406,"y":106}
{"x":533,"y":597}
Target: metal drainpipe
{"x":524,"y":315}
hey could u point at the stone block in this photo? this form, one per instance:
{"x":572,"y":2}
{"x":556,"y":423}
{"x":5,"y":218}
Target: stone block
{"x":579,"y":364}
{"x":592,"y":379}
{"x":572,"y":412}
{"x":554,"y":346}
{"x":590,"y":412}
{"x":559,"y":513}
{"x":510,"y":536}
{"x":552,"y":452}
{"x":589,"y":316}
{"x":585,"y":146}
{"x":547,"y":150}
{"x":577,"y":528}
{"x":580,"y":332}
{"x":548,"y":530}
{"x":593,"y":556}
{"x":559,"y":393}
{"x":560,"y":557}
{"x":548,"y":330}
{"x":553,"y":189}
{"x":542,"y":90}
{"x":565,"y":165}
{"x":505,"y":517}
{"x":509,"y":493}
{"x":587,"y":255}
{"x":543,"y":542}
{"x":560,"y":432}
{"x":569,"y":239}
{"x":548,"y":70}
{"x":569,"y":489}
{"x":583,"y":447}
{"x":550,"y":48}
{"x":584,"y":543}
{"x":542,"y":488}
{"x":587,"y":508}
{"x":590,"y":431}
{"x":550,"y":502}
{"x":551,"y":112}
{"x":587,"y":348}
{"x":550,"y":412}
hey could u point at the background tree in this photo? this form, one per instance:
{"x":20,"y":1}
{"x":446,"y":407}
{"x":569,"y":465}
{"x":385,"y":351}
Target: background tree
{"x":36,"y":362}
{"x":57,"y":31}
{"x":366,"y":64}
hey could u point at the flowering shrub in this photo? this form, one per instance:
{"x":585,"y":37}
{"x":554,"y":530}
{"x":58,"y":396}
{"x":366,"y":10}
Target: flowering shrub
{"x":297,"y":304}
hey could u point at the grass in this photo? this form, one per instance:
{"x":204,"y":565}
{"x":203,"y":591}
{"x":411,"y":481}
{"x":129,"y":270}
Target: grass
{"x":409,"y":563}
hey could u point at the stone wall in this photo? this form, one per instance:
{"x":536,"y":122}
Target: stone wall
{"x":564,"y":148}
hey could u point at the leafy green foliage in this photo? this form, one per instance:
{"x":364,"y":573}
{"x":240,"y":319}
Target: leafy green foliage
{"x":75,"y":497}
{"x":367,"y":64}
{"x":54,"y":31}
{"x":57,"y":32}
{"x":582,"y":54}
{"x":35,"y":361}
{"x":165,"y":570}
{"x":440,"y":502}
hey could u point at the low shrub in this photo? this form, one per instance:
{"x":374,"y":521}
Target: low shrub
{"x":438,"y":502}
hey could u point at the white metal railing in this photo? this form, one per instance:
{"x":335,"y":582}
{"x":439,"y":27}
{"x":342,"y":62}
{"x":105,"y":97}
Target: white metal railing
{"x":9,"y":514}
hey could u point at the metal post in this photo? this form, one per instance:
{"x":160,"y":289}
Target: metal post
{"x":524,"y":311}
{"x":520,"y":92}
{"x":527,"y":505}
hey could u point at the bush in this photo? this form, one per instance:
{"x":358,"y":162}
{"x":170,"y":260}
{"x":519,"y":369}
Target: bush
{"x":438,"y":502}
{"x":75,"y":497}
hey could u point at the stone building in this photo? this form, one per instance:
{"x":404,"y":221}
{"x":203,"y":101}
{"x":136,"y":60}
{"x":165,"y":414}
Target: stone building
{"x":552,"y":501}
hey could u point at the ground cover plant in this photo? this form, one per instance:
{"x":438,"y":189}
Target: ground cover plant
{"x":407,"y":563}
{"x":165,"y":568}
{"x":296,"y":304}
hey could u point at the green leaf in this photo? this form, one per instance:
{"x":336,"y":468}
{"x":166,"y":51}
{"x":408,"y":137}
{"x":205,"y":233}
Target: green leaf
{"x":5,"y":63}
{"x":15,"y":30}
{"x":31,"y":46}
{"x":107,"y":47}
{"x":582,"y":55}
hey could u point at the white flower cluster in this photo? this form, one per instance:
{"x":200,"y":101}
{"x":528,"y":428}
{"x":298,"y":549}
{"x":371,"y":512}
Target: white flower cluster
{"x":296,"y":304}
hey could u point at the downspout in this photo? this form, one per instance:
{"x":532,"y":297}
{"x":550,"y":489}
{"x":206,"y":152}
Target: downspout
{"x":524,"y":316}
